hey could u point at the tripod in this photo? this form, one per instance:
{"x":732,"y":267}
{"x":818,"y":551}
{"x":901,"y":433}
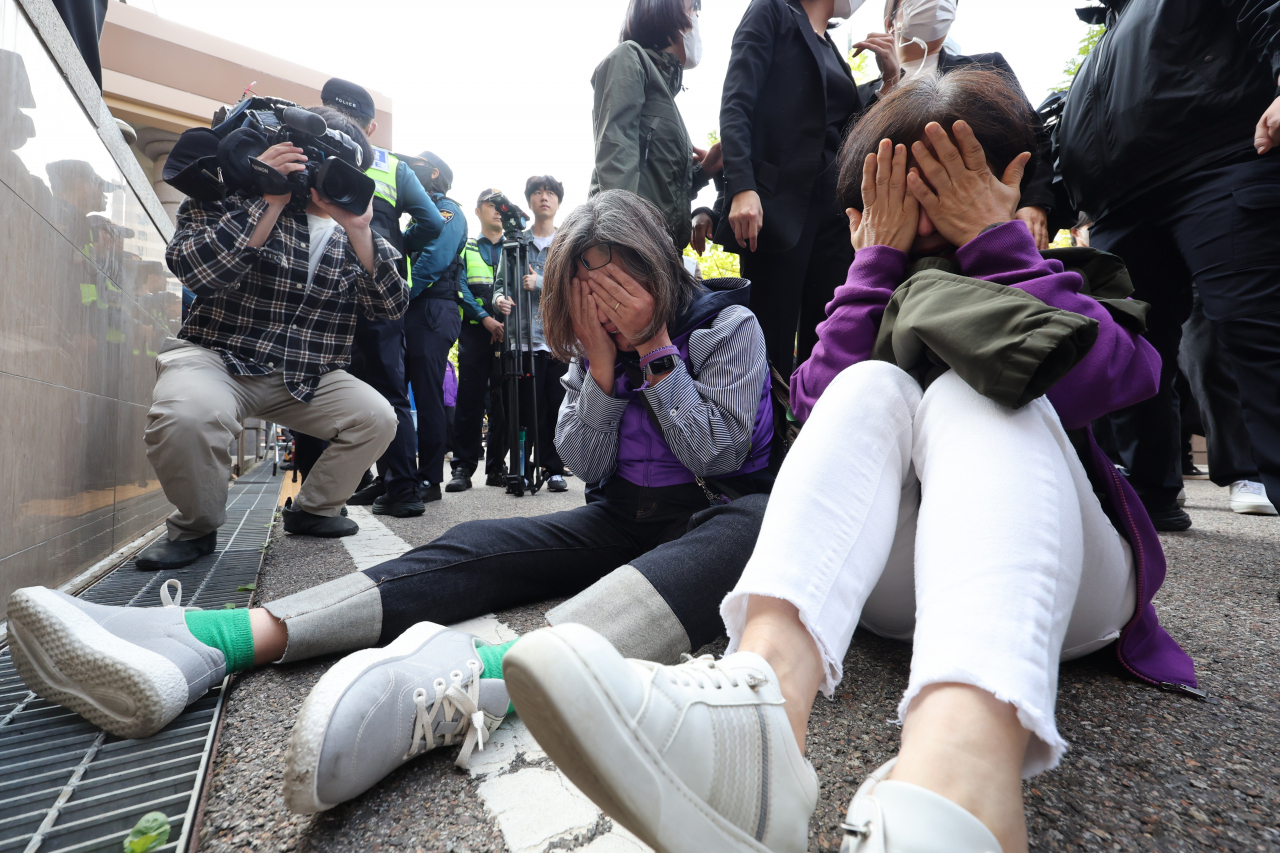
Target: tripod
{"x":519,"y":371}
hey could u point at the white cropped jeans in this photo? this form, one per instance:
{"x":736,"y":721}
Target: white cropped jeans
{"x":949,"y":520}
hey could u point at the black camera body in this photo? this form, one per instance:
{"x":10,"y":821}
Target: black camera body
{"x":212,"y":162}
{"x":513,"y":218}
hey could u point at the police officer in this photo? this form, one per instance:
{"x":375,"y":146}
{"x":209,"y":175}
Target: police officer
{"x":478,"y":355}
{"x":378,"y":349}
{"x":432,"y":323}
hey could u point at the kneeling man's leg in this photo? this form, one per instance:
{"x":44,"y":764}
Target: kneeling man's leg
{"x":357,"y":422}
{"x":195,"y":415}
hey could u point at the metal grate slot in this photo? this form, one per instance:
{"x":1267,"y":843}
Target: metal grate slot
{"x":68,"y":787}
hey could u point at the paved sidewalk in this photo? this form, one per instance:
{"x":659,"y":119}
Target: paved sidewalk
{"x":1146,"y":770}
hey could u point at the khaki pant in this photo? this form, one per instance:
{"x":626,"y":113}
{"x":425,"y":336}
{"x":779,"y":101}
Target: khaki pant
{"x":195,"y":414}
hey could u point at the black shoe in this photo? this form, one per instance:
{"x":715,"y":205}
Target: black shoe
{"x":174,"y":554}
{"x":367,"y":495}
{"x":430,"y":493}
{"x":460,"y":482}
{"x":1170,"y":517}
{"x":302,"y":523}
{"x":498,"y":479}
{"x":556,"y":483}
{"x":405,"y":506}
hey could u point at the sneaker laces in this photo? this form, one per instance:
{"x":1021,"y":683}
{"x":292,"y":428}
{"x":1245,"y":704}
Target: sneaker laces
{"x":702,"y":672}
{"x":449,"y":701}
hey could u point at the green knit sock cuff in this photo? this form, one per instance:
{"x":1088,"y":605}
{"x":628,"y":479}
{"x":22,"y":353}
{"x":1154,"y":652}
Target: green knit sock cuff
{"x":491,"y":657}
{"x":228,"y":631}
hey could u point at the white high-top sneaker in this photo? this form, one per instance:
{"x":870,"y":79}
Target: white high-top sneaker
{"x":899,"y":817}
{"x":696,"y":757}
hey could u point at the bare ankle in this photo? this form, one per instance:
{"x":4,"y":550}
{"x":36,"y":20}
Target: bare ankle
{"x":774,"y":631}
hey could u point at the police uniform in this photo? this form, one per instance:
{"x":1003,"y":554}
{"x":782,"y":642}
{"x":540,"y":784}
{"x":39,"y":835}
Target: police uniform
{"x":479,"y":365}
{"x":378,"y":347}
{"x":431,"y":327}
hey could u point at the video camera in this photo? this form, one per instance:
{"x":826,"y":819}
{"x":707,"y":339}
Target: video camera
{"x":513,"y":218}
{"x":207,"y":163}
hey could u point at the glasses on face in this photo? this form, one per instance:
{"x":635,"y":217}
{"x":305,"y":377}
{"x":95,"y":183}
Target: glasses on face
{"x":597,"y":256}
{"x":695,"y":6}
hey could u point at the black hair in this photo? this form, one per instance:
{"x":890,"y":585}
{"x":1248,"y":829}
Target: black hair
{"x":338,"y":120}
{"x":543,"y":182}
{"x":655,"y":24}
{"x":987,"y":99}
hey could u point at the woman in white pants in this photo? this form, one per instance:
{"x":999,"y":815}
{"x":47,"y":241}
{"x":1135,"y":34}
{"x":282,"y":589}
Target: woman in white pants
{"x":998,"y":540}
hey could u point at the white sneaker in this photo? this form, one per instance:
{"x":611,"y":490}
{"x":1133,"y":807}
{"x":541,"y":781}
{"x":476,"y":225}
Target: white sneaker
{"x":1250,"y":498}
{"x":899,"y":817}
{"x":697,"y":757}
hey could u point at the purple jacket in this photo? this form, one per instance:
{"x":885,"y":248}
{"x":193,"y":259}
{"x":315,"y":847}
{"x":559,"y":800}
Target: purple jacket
{"x":715,"y":408}
{"x":1120,"y":369}
{"x":450,"y":385}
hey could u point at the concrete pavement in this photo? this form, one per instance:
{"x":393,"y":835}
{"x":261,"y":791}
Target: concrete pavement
{"x":1146,"y":770}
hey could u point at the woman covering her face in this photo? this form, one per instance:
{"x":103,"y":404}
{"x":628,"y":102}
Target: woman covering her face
{"x":945,"y":491}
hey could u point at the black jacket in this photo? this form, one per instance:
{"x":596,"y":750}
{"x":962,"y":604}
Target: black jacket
{"x":1037,"y":186}
{"x":773,"y":120}
{"x":1172,"y":87}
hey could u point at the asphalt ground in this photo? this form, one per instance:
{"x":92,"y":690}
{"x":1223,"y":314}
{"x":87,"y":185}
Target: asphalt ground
{"x":1146,"y":770}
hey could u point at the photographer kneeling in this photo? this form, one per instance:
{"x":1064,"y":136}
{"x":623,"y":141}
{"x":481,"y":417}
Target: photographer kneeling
{"x":278,"y":283}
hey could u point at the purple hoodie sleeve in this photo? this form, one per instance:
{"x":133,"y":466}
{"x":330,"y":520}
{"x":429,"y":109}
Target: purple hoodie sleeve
{"x":1120,"y":369}
{"x":853,"y":318}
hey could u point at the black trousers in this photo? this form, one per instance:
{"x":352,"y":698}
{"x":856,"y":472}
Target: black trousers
{"x":378,"y":358}
{"x":548,"y":394}
{"x":430,"y":328}
{"x":479,"y":384}
{"x":1214,"y":392}
{"x":1219,"y":227}
{"x":790,"y":290}
{"x":691,"y":554}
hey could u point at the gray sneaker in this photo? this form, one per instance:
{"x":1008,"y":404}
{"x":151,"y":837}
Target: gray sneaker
{"x":130,"y":670}
{"x":379,"y":708}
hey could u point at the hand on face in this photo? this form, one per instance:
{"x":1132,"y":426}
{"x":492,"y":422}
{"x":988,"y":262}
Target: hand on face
{"x":956,"y":187}
{"x":625,"y":302}
{"x":588,"y":329}
{"x":890,"y":214}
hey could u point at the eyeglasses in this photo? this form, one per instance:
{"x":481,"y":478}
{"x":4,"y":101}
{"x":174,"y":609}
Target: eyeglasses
{"x":597,"y":256}
{"x":696,"y":6}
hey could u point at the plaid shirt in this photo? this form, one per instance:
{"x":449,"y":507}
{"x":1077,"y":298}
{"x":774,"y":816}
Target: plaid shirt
{"x":253,"y":305}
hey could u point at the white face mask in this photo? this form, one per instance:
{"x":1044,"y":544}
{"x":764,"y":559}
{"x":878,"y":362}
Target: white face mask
{"x":921,"y":21}
{"x":692,"y":45}
{"x":845,"y":8}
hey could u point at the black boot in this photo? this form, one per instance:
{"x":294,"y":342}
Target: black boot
{"x":461,"y":481}
{"x":369,"y":494}
{"x":1168,"y":517}
{"x":302,"y":523}
{"x":402,"y":506}
{"x":174,"y":554}
{"x":431,"y":493}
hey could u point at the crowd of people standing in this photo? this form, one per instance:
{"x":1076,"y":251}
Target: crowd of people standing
{"x":899,"y":299}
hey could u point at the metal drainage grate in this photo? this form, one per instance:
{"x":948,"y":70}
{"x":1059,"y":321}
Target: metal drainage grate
{"x":66,"y":786}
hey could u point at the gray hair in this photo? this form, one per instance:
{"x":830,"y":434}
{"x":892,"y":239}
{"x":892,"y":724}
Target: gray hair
{"x":641,"y":245}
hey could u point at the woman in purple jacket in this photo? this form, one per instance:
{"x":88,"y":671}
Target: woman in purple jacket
{"x":998,"y":540}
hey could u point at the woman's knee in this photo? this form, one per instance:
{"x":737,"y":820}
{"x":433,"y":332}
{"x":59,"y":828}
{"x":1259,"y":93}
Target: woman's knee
{"x":869,"y":387}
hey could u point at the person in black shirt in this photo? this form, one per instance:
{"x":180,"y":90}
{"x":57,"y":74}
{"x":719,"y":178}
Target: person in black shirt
{"x":788,"y":98}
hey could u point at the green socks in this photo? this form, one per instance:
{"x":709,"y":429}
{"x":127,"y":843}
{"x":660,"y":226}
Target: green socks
{"x":491,"y":657}
{"x":228,"y":631}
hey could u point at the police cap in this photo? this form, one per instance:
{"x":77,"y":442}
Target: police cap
{"x":349,"y":98}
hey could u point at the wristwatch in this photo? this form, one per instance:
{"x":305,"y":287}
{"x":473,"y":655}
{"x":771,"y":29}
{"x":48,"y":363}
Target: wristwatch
{"x":659,"y":366}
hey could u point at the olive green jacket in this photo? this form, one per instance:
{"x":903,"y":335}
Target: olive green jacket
{"x":1005,"y":343}
{"x":641,"y":141}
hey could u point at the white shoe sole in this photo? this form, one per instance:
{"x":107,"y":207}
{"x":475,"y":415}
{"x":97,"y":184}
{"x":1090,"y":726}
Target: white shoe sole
{"x":302,"y":760}
{"x":67,"y":658}
{"x":590,"y":738}
{"x":1251,"y":508}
